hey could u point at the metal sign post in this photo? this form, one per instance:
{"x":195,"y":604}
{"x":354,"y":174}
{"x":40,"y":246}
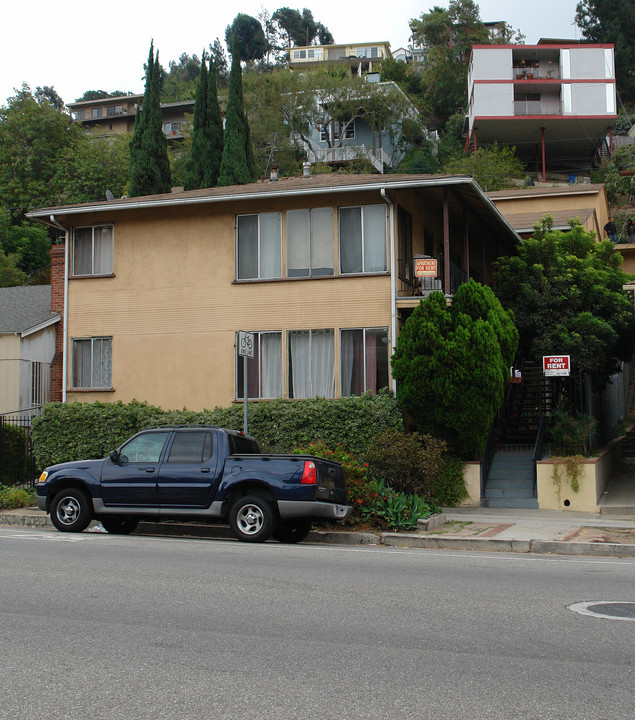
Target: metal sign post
{"x":246,"y":350}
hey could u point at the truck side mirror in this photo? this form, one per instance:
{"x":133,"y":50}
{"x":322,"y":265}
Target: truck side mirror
{"x":114,"y":456}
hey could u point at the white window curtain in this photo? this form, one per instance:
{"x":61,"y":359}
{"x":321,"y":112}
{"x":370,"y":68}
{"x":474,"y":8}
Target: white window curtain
{"x":363,"y":239}
{"x":82,"y":251}
{"x":322,"y":241}
{"x":363,"y":360}
{"x":271,"y":365}
{"x":270,"y":245}
{"x":312,"y":363}
{"x":298,"y":243}
{"x":310,"y":242}
{"x":103,"y":250}
{"x":92,"y":363}
{"x":374,"y":238}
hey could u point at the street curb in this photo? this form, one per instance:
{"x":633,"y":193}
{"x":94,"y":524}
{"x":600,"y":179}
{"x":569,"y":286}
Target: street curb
{"x":557,"y":547}
{"x":25,"y":520}
{"x":448,"y":543}
{"x":398,"y":540}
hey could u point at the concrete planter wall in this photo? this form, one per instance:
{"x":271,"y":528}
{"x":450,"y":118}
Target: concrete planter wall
{"x":472,"y":477}
{"x":593,"y":476}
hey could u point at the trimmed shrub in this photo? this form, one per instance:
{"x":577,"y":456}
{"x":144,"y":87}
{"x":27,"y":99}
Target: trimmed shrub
{"x":12,"y":497}
{"x":448,"y":485}
{"x":14,"y":459}
{"x":407,"y":462}
{"x":77,"y":431}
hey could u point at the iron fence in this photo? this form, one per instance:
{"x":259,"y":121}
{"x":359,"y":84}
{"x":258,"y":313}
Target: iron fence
{"x":17,"y":461}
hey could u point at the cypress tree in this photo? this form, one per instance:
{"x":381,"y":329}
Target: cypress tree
{"x":237,"y":165}
{"x":195,"y":165}
{"x":214,"y":129}
{"x":149,"y":163}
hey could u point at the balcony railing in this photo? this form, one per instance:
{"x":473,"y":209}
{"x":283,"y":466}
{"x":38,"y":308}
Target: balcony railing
{"x":345,"y":153}
{"x":543,"y":72}
{"x":412,"y":285}
{"x":537,"y":107}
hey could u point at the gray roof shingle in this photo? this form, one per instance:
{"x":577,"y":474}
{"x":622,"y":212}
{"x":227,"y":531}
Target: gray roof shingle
{"x":24,"y":307}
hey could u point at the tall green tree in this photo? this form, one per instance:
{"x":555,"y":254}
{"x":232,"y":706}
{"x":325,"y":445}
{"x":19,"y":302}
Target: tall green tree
{"x":252,"y":44}
{"x":450,"y":365}
{"x":448,"y":35}
{"x":300,"y":28}
{"x":149,"y":163}
{"x":32,"y":134}
{"x":238,"y":166}
{"x":203,"y":164}
{"x":89,"y":167}
{"x":566,"y":292}
{"x":612,"y":21}
{"x":194,"y":167}
{"x":214,"y":132}
{"x":27,"y":243}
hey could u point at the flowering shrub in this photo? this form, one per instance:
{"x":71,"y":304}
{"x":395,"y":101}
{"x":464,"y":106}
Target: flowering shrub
{"x":373,"y":501}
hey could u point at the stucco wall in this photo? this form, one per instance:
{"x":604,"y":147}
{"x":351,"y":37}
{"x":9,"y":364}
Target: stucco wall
{"x":9,"y":372}
{"x":593,"y":475}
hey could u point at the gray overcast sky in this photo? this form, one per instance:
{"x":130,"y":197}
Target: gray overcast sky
{"x":77,"y":46}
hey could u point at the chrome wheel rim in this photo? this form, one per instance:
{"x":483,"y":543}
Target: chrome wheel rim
{"x":68,"y":510}
{"x":250,"y":519}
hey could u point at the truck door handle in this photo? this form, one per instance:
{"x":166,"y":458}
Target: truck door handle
{"x":150,"y":469}
{"x":205,"y":470}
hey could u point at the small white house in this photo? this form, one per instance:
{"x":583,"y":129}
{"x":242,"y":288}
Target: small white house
{"x":27,"y":347}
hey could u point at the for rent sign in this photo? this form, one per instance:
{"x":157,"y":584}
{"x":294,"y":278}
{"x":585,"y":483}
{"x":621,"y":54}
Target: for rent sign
{"x":556,"y":365}
{"x":425,"y":267}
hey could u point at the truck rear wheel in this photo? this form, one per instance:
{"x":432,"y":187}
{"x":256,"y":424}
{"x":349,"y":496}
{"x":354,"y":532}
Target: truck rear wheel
{"x":251,"y":519}
{"x":293,"y":531}
{"x":119,"y":525}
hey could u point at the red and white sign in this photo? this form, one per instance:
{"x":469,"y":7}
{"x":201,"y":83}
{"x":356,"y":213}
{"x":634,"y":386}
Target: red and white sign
{"x":425,"y":267}
{"x":556,"y":365}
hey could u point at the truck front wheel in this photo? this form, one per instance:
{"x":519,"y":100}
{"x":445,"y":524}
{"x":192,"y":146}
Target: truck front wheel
{"x":251,"y":519}
{"x":293,"y":531}
{"x":71,"y":510}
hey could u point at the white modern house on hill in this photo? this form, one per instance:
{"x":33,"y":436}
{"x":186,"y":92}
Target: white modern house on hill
{"x":555,"y":102}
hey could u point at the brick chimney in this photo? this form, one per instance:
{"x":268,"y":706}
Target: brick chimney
{"x":57,"y":306}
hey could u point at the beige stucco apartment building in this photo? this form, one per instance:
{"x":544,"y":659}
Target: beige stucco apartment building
{"x":321,"y":269}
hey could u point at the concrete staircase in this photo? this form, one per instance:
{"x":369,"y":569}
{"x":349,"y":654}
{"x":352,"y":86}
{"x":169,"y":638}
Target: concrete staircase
{"x":511,"y":481}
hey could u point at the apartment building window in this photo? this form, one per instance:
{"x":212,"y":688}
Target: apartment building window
{"x":363,"y":360}
{"x":362,"y":239}
{"x":91,"y":363}
{"x":115,"y":110}
{"x":264,"y":370}
{"x":97,"y":112}
{"x":299,"y":54}
{"x":309,"y":236}
{"x":259,"y":246}
{"x":311,"y":363}
{"x":93,"y":250}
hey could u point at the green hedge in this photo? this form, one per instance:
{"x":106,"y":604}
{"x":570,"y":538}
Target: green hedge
{"x":14,"y":458}
{"x":77,"y":431}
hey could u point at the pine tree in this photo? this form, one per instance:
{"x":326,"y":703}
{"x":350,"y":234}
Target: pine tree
{"x":195,"y":165}
{"x":238,"y":165}
{"x":149,"y":163}
{"x":214,"y":129}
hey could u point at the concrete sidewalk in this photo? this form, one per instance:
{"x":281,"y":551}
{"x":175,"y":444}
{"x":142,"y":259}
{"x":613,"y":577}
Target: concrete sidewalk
{"x":483,"y":529}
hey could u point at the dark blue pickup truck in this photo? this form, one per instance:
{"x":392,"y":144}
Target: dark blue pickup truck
{"x":196,"y":473}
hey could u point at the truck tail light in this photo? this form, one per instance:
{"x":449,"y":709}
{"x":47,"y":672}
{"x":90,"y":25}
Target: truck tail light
{"x":309,"y":476}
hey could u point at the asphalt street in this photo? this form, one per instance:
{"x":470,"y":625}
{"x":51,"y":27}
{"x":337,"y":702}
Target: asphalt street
{"x":98,"y":626}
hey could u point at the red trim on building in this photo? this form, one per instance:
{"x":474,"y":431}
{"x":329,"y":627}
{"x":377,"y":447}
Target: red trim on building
{"x":57,"y":306}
